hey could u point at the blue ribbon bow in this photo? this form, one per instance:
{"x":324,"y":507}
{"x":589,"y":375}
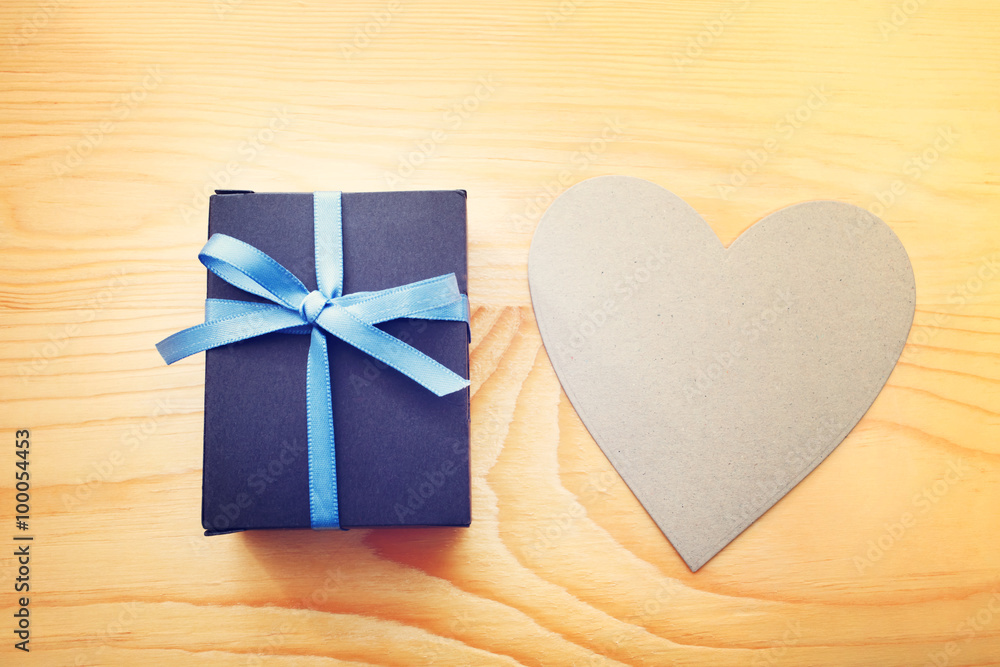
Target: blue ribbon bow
{"x":349,"y":317}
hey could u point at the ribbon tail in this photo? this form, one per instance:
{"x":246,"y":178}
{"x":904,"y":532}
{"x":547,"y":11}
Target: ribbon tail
{"x":405,"y":301}
{"x":216,"y":333}
{"x":456,"y":311}
{"x":391,"y":351}
{"x":218,"y":309}
{"x":324,"y":510}
{"x":244,"y":266}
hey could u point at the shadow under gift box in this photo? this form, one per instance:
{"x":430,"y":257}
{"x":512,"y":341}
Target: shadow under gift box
{"x":402,"y":453}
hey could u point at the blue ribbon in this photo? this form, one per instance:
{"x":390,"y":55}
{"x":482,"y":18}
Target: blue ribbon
{"x":351,"y":317}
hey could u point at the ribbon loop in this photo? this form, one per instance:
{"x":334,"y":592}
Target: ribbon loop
{"x":349,"y":317}
{"x":246,"y":267}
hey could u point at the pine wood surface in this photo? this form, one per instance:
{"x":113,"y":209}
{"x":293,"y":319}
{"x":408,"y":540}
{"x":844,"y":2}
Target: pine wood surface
{"x":117,"y":117}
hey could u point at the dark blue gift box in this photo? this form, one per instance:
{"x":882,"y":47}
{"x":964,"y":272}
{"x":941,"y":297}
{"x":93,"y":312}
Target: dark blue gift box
{"x":402,"y":453}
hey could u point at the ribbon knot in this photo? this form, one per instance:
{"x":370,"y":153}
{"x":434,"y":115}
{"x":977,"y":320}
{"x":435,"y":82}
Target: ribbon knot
{"x":313,"y":305}
{"x":295,"y":309}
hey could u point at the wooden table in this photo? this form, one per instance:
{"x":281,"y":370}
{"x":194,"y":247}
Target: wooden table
{"x":118,"y":118}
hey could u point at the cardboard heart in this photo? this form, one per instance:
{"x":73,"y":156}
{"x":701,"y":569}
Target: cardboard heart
{"x":715,"y":379}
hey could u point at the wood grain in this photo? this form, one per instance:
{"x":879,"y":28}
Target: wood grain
{"x":117,"y":118}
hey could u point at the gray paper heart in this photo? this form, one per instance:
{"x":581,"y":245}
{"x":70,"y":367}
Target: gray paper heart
{"x":715,"y":379}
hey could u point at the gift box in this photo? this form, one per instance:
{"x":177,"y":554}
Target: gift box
{"x":400,"y":452}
